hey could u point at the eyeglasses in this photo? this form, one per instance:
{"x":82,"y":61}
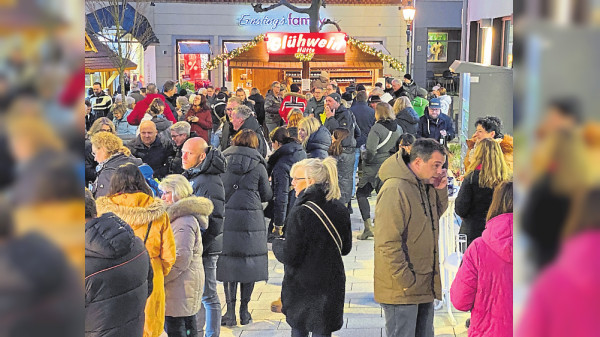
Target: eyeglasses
{"x":294,"y":178}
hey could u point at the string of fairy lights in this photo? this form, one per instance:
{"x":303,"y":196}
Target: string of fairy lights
{"x":217,"y":60}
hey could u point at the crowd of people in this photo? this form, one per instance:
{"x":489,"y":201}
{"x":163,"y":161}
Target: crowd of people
{"x":194,"y":176}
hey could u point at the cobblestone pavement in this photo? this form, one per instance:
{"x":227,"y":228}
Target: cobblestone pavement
{"x":363,"y":316}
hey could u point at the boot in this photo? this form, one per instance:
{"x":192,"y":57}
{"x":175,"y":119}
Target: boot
{"x":246,"y":294}
{"x":367,"y":233}
{"x":229,"y":318}
{"x":276,"y":306}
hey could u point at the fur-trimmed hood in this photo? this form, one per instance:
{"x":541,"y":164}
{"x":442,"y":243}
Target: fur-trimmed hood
{"x":198,"y":207}
{"x":136,"y":209}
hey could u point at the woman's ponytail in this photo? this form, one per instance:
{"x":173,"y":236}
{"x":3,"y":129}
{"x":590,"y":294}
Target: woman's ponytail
{"x":333,"y":187}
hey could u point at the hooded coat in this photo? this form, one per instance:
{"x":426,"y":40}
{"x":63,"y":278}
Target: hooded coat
{"x":406,"y":240}
{"x":185,"y":283}
{"x":279,"y":167}
{"x":472,"y":205}
{"x":106,"y":170}
{"x":318,"y":143}
{"x":122,"y":127}
{"x":314,"y":281}
{"x":408,"y":120}
{"x":562,"y":299}
{"x":118,"y":279}
{"x":345,"y":169}
{"x":245,"y":256}
{"x":259,"y":107}
{"x":138,"y":210}
{"x":343,"y":118}
{"x":483,"y":284}
{"x":206,"y":182}
{"x":374,"y":157}
{"x":156,"y":155}
{"x":506,"y":144}
{"x":251,"y":123}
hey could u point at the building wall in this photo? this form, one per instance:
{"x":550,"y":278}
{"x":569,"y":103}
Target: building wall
{"x":486,"y":9}
{"x":432,"y":14}
{"x":173,"y":21}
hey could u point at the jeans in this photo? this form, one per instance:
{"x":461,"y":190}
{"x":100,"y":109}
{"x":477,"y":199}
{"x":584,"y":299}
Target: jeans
{"x":300,"y":333}
{"x":211,"y":307}
{"x":356,"y":160}
{"x":408,"y":320}
{"x":180,"y":326}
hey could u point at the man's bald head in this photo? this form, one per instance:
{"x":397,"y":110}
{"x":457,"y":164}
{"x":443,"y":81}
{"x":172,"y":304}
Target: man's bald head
{"x":193,"y":152}
{"x":148,"y":132}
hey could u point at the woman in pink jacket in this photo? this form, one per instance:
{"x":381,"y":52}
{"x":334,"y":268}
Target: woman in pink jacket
{"x":484,"y":281}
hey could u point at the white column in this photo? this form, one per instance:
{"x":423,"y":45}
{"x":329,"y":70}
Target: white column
{"x":150,"y":65}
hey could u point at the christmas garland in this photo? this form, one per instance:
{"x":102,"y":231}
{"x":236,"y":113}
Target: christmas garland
{"x":214,"y":63}
{"x":304,"y":57}
{"x":394,"y":63}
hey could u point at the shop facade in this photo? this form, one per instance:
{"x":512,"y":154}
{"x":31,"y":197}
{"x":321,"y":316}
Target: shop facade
{"x":191,"y":35}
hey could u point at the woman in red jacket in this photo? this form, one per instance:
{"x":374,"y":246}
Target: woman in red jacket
{"x":199,"y":117}
{"x":484,"y":281}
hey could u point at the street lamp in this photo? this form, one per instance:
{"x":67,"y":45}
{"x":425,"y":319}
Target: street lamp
{"x":408,"y":12}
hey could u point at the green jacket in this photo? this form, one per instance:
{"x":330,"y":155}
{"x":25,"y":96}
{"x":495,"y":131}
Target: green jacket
{"x":419,"y":104}
{"x":406,"y":236}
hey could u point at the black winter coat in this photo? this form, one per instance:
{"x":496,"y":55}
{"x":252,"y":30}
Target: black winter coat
{"x":156,"y":155}
{"x":344,"y":118}
{"x":472,"y":205}
{"x":245,"y":255}
{"x":408,"y":119}
{"x":259,"y":107}
{"x":118,"y":278}
{"x":279,"y":167}
{"x":101,"y":186}
{"x":251,"y":123}
{"x":318,"y":143}
{"x":206,"y":182}
{"x":90,"y":163}
{"x":365,"y":118}
{"x":172,"y":102}
{"x":314,"y":283}
{"x":345,"y":168}
{"x":429,"y":128}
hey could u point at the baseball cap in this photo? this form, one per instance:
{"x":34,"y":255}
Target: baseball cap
{"x":435,"y":103}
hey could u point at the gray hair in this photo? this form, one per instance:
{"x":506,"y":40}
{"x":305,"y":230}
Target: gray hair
{"x":396,"y":82}
{"x":202,"y":91}
{"x":129,"y":101}
{"x":243,"y":112}
{"x":151,"y":88}
{"x":377,"y":92}
{"x":178,"y":185}
{"x":181,"y":128}
{"x":119,"y":98}
{"x":184,"y":103}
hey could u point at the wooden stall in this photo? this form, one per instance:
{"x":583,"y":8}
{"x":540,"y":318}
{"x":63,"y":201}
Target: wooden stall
{"x":99,"y":64}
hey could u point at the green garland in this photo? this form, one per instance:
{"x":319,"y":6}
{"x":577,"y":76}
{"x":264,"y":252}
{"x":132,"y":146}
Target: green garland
{"x":214,"y":63}
{"x":394,"y":63}
{"x":304,"y":57}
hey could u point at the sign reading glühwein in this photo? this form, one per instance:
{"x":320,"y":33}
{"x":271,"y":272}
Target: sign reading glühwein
{"x":306,"y":43}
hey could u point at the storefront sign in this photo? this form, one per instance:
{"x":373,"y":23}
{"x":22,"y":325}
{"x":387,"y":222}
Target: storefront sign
{"x":305,"y":43}
{"x":277,"y":19}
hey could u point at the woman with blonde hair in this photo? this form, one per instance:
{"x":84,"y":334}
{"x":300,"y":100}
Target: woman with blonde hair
{"x":109,"y":152}
{"x":185,"y":283}
{"x":381,"y":141}
{"x":101,"y":124}
{"x":315,"y":138}
{"x":317,"y":235}
{"x":294,"y":118}
{"x":130,"y":198}
{"x":486,"y":171}
{"x":406,"y":116}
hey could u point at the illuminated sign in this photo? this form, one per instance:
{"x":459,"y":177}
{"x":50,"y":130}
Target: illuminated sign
{"x":305,"y":43}
{"x":278,"y":19}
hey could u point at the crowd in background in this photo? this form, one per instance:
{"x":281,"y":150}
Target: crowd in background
{"x":195,"y":175}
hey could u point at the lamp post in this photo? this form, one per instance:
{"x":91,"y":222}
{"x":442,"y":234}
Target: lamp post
{"x":408,"y":12}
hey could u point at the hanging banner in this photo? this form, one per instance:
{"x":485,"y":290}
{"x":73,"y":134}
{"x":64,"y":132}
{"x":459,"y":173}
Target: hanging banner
{"x":306,"y":43}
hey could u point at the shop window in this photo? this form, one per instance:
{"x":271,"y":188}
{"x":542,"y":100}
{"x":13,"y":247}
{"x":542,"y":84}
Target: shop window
{"x":507,"y":44}
{"x":192,"y":57}
{"x":228,"y":46}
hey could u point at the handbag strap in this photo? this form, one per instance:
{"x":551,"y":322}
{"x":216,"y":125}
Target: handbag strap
{"x":387,"y":139}
{"x":147,"y":232}
{"x":328,"y":224}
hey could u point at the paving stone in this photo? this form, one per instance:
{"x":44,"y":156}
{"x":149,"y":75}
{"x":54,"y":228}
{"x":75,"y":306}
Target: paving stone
{"x":358,"y":333}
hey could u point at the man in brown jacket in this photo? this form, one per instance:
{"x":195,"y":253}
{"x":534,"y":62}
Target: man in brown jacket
{"x":410,"y":203}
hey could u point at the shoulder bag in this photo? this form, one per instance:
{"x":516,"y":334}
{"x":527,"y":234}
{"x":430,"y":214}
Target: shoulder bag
{"x":337,"y":239}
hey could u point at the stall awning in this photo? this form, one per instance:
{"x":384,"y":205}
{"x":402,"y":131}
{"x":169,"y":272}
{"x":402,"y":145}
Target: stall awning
{"x":194,"y":48}
{"x":298,"y":65}
{"x":229,"y":46}
{"x":379,"y":47}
